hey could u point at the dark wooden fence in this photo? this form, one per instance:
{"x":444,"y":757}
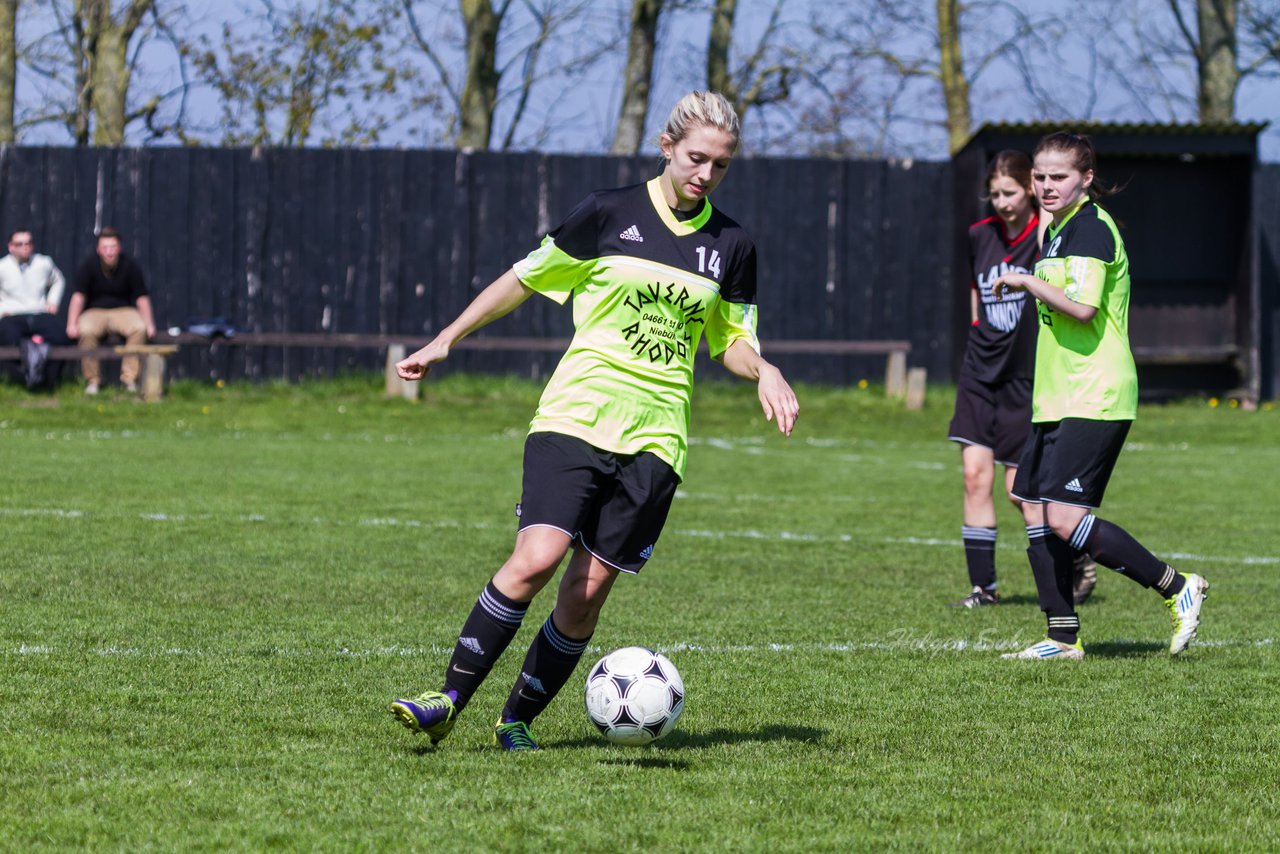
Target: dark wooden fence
{"x":397,"y":242}
{"x":1267,"y":213}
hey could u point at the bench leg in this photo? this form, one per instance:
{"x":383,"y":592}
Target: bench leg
{"x":153,"y":378}
{"x":895,"y":375}
{"x":397,"y":387}
{"x":395,"y":352}
{"x":915,"y":388}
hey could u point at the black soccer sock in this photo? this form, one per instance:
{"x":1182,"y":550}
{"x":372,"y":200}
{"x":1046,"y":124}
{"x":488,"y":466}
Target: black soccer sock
{"x":493,"y":622}
{"x":549,"y":664}
{"x":1051,"y":565}
{"x":1114,"y":548}
{"x":980,"y":555}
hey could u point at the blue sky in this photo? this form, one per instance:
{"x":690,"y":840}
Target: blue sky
{"x":580,"y":116}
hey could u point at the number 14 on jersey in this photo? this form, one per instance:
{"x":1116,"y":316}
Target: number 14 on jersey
{"x":705,"y":264}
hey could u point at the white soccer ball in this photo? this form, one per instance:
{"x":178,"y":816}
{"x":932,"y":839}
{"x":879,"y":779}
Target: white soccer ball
{"x":634,"y":696}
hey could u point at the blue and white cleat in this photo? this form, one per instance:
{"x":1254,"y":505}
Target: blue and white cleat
{"x":1048,"y":649}
{"x":432,"y":713}
{"x":1184,"y":610}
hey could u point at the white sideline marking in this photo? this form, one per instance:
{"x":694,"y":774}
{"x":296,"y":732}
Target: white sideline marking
{"x":900,"y":641}
{"x":738,"y":444}
{"x":15,"y":511}
{"x":1250,"y":561}
{"x":744,"y":534}
{"x":787,"y":498}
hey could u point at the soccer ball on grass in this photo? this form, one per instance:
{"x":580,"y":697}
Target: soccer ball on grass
{"x":634,"y":696}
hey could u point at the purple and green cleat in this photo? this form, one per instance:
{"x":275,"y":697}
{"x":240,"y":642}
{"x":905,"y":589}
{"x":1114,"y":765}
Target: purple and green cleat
{"x":514,"y":736}
{"x":432,"y":713}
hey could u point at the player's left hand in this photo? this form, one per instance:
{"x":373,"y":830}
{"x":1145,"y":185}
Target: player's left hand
{"x":777,"y":399}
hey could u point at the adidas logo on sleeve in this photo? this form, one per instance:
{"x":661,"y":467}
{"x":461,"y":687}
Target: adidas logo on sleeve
{"x":632,"y":234}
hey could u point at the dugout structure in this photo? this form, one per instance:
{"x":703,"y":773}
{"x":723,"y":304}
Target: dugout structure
{"x":1188,"y":213}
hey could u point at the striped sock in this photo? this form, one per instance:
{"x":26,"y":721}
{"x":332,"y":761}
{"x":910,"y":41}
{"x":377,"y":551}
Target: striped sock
{"x":980,"y":555}
{"x":1064,"y":629}
{"x":1051,"y":565}
{"x":548,"y":665}
{"x":1170,"y":583}
{"x":1113,"y":547}
{"x":493,"y":622}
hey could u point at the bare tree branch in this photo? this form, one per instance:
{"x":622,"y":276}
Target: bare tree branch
{"x":432,"y":56}
{"x":637,"y":76}
{"x":1193,"y":44}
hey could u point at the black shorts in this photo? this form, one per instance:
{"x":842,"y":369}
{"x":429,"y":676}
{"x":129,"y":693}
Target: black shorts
{"x":613,"y":504}
{"x":993,"y":415}
{"x":1069,"y":461}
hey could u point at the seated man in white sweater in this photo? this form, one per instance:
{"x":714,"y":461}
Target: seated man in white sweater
{"x":30,"y":293}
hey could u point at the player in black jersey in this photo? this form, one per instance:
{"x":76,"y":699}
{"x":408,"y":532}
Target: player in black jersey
{"x":993,"y":394}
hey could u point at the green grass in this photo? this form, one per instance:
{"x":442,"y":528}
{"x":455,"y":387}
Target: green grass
{"x":206,"y":604}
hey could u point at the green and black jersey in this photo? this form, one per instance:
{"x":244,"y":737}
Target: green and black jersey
{"x":646,"y":286}
{"x":1085,"y":370}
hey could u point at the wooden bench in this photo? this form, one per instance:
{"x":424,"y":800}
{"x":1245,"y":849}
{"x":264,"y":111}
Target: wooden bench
{"x":899,"y":381}
{"x":154,"y":367}
{"x":1167,"y":361}
{"x":1207,"y":354}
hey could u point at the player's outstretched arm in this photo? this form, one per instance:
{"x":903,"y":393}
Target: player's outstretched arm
{"x":776,"y":397}
{"x":499,"y":299}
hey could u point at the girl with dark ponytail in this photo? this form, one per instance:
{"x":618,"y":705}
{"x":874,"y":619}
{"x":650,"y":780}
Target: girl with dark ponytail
{"x":1083,"y":402}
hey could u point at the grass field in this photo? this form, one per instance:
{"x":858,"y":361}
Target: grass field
{"x":206,"y":604}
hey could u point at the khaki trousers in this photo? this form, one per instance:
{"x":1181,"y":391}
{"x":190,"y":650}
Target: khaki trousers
{"x":96,"y":323}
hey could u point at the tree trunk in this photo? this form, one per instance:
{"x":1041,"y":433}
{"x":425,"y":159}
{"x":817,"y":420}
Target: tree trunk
{"x":83,"y":37}
{"x":1216,"y":60}
{"x":480,"y":89}
{"x":110,"y":86}
{"x":8,"y":66}
{"x":102,"y":68}
{"x":955,"y":86}
{"x":638,"y":76}
{"x":718,"y":76}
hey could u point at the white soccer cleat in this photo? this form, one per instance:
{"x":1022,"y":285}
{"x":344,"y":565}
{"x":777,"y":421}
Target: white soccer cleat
{"x":1184,"y":609}
{"x":1047,"y":649}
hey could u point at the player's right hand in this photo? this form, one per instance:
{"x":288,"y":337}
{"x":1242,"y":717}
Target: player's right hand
{"x":418,"y":365}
